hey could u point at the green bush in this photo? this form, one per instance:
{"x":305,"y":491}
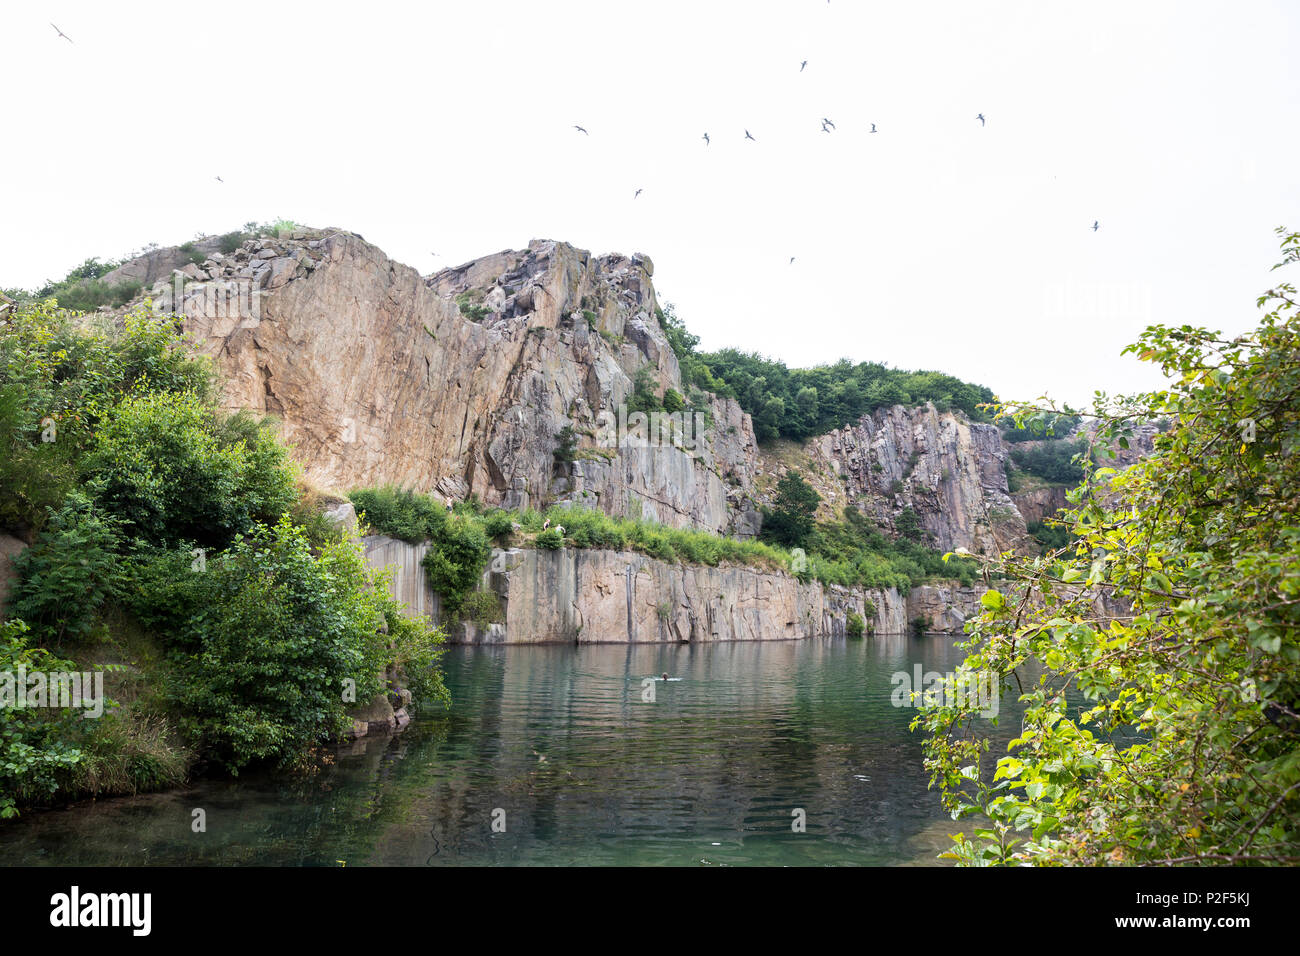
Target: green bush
{"x":244,"y":651}
{"x":416,"y":651}
{"x":458,"y":553}
{"x":58,"y":377}
{"x":176,"y":472}
{"x":482,"y":607}
{"x":399,"y":512}
{"x":278,"y":633}
{"x":856,"y":625}
{"x":69,"y":572}
{"x":550,"y":540}
{"x":498,"y":524}
{"x":34,"y":742}
{"x":791,"y":520}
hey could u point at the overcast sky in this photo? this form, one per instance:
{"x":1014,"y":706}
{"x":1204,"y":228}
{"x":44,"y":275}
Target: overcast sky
{"x":934,"y":243}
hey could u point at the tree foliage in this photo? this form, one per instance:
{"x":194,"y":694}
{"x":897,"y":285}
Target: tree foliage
{"x":800,"y":403}
{"x":1165,"y":725}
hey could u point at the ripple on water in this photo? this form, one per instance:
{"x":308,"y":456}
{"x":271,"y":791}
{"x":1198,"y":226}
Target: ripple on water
{"x":746,"y":740}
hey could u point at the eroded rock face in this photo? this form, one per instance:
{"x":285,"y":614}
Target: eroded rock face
{"x":949,"y":472}
{"x":461,"y":383}
{"x":579,"y":595}
{"x":945,"y":609}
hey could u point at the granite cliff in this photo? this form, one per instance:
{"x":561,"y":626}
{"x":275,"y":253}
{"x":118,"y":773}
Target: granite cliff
{"x":462,"y":382}
{"x":500,"y":378}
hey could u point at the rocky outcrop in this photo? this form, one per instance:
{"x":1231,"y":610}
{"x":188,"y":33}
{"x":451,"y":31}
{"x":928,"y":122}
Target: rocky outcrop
{"x":461,"y":383}
{"x":157,"y":265}
{"x":944,"y":609}
{"x":577,"y":595}
{"x":947,"y":472}
{"x":1038,"y":503}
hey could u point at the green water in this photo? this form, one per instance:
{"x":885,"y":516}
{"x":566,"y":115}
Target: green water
{"x":586,"y":772}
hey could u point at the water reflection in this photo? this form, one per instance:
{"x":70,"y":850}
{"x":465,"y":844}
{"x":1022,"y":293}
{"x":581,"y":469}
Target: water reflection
{"x":558,"y":747}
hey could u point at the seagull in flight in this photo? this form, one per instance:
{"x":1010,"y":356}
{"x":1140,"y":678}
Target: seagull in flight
{"x":706,"y":139}
{"x":873,"y":127}
{"x":802,"y":65}
{"x":826,"y":122}
{"x":635,"y":194}
{"x":981,"y":119}
{"x":1095,"y":225}
{"x":581,"y":130}
{"x":62,"y":34}
{"x":219,"y":179}
{"x":747,"y":136}
{"x":792,"y":260}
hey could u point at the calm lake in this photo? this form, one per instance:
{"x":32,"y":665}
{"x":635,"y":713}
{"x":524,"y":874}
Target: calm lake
{"x":557,"y":744}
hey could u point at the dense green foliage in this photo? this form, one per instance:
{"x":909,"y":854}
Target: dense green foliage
{"x":799,"y":403}
{"x":458,"y":553}
{"x":272,"y":634}
{"x":1050,"y":534}
{"x":34,"y":748}
{"x":1165,"y":731}
{"x":1056,"y":461}
{"x":399,"y":512}
{"x":791,"y":519}
{"x":851,"y":552}
{"x":174,"y":537}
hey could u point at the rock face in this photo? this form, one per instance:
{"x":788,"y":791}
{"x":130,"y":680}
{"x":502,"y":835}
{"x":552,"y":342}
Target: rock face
{"x":950,"y":473}
{"x":578,"y":595}
{"x":944,"y":609}
{"x":464,"y":382}
{"x":158,"y":264}
{"x":461,"y":383}
{"x":1039,"y":503}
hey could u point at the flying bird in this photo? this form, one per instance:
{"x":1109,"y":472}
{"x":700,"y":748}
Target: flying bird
{"x":981,"y":119}
{"x":62,"y":34}
{"x":747,"y":136}
{"x":706,"y":139}
{"x":802,"y":65}
{"x":1094,"y":225}
{"x":792,"y":260}
{"x":581,"y":130}
{"x":826,"y":122}
{"x":873,"y":127}
{"x":635,"y":194}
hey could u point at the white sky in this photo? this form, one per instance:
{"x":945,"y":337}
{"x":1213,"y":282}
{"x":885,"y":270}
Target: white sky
{"x":447,"y":127}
